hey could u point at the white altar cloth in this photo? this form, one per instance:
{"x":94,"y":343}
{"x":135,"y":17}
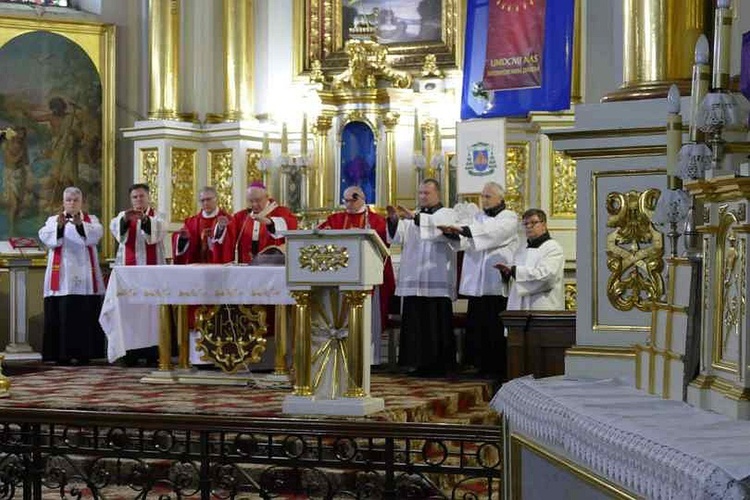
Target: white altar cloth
{"x":130,"y":311}
{"x":656,"y":448}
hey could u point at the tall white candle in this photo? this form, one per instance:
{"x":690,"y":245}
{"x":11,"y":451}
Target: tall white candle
{"x":722,"y":44}
{"x":699,"y":89}
{"x":674,"y":129}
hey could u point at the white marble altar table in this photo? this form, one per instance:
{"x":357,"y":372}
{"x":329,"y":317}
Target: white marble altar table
{"x":134,"y":293}
{"x":655,"y":448}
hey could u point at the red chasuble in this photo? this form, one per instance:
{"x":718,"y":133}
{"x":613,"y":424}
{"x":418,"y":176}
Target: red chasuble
{"x":344,"y":220}
{"x":247,"y":232}
{"x":201,"y":250}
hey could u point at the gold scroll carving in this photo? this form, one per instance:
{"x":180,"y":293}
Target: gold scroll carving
{"x":635,"y":250}
{"x":183,"y":184}
{"x":564,"y":195}
{"x":150,"y":172}
{"x":221,"y":163}
{"x":516,"y":167}
{"x":323,"y":258}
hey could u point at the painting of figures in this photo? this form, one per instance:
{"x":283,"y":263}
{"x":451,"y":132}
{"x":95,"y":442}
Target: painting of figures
{"x":398,"y":21}
{"x":51,"y":111}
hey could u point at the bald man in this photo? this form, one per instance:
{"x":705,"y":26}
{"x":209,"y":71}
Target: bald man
{"x":357,"y":215}
{"x":261,"y":225}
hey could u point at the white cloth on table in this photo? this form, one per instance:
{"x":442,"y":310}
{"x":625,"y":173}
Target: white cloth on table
{"x":660,"y":449}
{"x":135,"y":292}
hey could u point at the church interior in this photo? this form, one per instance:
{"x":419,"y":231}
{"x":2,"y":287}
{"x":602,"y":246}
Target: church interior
{"x":637,"y":386}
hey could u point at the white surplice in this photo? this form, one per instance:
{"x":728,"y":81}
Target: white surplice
{"x":493,"y":240}
{"x":76,"y":276}
{"x":158,"y":233}
{"x":538,"y":285}
{"x":428,"y":265}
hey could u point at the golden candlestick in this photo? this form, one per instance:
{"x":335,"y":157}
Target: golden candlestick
{"x":355,"y":343}
{"x":302,"y":344}
{"x":164,"y":50}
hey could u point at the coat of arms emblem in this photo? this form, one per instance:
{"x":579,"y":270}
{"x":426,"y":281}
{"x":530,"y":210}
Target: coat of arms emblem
{"x":480,"y":159}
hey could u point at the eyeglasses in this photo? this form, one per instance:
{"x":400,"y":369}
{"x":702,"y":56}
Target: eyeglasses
{"x":202,"y":200}
{"x":531,"y":223}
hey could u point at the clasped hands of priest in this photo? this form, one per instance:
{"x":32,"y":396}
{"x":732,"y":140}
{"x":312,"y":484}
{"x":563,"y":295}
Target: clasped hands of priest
{"x":134,"y":214}
{"x":63,"y":217}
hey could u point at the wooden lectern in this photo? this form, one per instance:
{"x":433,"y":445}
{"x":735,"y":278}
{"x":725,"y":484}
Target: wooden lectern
{"x":351,"y":261}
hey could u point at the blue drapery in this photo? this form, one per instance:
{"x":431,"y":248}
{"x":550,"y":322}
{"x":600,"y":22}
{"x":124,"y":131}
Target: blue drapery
{"x":554,"y":93}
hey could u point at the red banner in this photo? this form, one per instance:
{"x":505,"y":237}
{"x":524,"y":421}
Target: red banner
{"x":515,"y":44}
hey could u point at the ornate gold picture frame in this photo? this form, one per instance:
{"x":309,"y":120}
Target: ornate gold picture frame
{"x":58,"y":90}
{"x":410,"y":29}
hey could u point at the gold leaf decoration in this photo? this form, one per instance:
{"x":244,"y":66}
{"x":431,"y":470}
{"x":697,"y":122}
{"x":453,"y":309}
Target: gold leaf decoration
{"x":635,"y":250}
{"x":231,"y":336}
{"x":323,"y":258}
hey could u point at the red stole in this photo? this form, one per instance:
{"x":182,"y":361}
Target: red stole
{"x":130,"y":253}
{"x":54,"y":280}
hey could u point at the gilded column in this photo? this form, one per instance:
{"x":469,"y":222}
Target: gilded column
{"x":658,"y":41}
{"x":355,"y":344}
{"x":388,"y":192}
{"x":302,"y":344}
{"x":319,"y":181}
{"x":239,"y":59}
{"x":164,"y":51}
{"x":280,"y":338}
{"x":165,"y":338}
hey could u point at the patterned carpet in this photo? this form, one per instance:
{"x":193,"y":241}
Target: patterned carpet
{"x":113,"y":388}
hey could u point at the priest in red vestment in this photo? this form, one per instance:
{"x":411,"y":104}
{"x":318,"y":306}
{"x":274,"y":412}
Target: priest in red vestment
{"x":261,"y":225}
{"x":206,"y":237}
{"x":357,"y":215}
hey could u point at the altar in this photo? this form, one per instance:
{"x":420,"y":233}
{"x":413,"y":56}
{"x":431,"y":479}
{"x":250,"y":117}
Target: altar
{"x":605,"y":439}
{"x":135,"y":293}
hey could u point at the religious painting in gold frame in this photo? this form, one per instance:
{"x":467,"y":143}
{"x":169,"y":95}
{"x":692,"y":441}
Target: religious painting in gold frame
{"x":57,"y":90}
{"x":410,"y":29}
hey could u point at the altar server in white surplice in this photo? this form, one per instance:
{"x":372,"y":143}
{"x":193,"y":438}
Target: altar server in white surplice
{"x":73,"y":285}
{"x":536,"y":273}
{"x":139,"y":231}
{"x":491,"y":237}
{"x":427,"y":283}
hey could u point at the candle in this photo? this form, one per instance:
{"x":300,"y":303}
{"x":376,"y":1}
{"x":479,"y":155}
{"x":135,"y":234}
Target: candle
{"x":303,"y":139}
{"x":417,"y":134}
{"x":284,"y":140}
{"x":674,"y":130}
{"x":266,"y":149}
{"x":722,"y":42}
{"x":699,"y":87}
{"x":438,"y":139}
